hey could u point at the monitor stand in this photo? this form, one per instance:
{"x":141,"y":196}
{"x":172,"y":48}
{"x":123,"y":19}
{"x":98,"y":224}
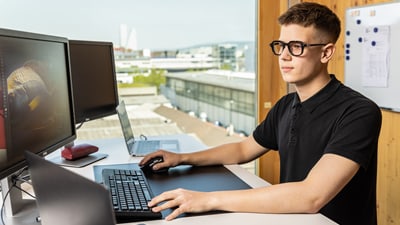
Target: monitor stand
{"x":81,"y":162}
{"x":14,"y":202}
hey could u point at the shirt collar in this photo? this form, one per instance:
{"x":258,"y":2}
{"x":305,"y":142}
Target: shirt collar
{"x":320,"y":97}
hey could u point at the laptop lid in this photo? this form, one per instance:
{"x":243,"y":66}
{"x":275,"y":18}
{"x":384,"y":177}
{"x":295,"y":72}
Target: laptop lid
{"x":66,"y":198}
{"x":142,"y":147}
{"x":126,"y":126}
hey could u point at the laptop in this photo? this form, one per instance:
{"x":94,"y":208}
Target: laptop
{"x":66,"y":198}
{"x":142,"y":147}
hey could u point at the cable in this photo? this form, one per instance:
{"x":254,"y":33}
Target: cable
{"x":14,"y":179}
{"x":79,"y":125}
{"x":143,"y":137}
{"x":24,"y":191}
{"x":24,"y":179}
{"x":2,"y":206}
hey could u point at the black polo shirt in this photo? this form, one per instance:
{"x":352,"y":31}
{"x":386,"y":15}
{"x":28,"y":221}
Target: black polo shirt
{"x":336,"y":120}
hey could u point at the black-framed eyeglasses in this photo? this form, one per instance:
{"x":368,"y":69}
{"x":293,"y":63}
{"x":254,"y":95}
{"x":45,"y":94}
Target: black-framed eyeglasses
{"x":296,"y":48}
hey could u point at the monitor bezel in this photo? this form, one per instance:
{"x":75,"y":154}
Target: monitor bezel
{"x":110,"y":110}
{"x":11,"y":169}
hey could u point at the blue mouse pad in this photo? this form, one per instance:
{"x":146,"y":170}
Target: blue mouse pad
{"x":208,"y":178}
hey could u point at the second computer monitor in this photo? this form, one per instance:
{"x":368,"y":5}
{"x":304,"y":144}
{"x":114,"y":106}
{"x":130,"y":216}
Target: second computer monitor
{"x":93,"y":78}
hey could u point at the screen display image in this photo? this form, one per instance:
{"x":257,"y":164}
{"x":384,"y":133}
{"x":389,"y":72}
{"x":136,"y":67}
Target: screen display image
{"x":93,"y":78}
{"x":37,"y":109}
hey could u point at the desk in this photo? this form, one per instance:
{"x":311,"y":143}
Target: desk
{"x":118,"y":154}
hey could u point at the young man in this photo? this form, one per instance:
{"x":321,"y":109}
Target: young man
{"x":326,"y":135}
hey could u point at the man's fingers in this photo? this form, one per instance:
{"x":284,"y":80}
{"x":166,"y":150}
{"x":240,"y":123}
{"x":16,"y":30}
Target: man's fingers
{"x":174,"y":214}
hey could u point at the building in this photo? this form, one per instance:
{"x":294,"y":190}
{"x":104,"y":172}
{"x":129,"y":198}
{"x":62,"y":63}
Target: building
{"x":236,"y":56}
{"x":214,"y":82}
{"x":223,"y":97}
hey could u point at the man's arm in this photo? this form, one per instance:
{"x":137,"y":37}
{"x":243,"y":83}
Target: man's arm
{"x":324,"y":182}
{"x":231,"y":153}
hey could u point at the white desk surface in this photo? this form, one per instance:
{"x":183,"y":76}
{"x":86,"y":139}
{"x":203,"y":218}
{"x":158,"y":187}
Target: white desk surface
{"x":118,"y":154}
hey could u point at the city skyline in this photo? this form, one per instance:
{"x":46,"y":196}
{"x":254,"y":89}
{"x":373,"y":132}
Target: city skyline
{"x":158,"y":24}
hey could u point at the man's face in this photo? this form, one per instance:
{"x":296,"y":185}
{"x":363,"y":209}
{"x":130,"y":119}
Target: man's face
{"x":302,"y":69}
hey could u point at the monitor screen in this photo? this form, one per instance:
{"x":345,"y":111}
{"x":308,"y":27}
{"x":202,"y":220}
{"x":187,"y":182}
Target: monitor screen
{"x":93,"y":78}
{"x":36,"y":103}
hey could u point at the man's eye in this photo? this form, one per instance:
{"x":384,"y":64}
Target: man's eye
{"x":296,"y":46}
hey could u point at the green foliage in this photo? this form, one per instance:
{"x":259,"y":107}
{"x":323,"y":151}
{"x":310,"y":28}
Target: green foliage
{"x":226,"y":66}
{"x":155,"y":78}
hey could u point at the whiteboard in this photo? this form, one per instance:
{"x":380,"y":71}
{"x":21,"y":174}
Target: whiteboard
{"x":372,"y":53}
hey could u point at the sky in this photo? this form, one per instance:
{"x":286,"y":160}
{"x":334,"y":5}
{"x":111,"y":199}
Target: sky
{"x":159,"y":24}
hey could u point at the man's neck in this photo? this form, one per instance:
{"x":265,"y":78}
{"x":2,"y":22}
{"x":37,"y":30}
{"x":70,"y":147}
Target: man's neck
{"x":307,"y":90}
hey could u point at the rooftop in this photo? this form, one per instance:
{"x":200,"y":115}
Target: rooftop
{"x":153,"y":116}
{"x":234,"y":80}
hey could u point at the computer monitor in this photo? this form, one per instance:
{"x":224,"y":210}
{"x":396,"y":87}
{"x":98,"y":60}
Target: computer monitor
{"x":36,"y":103}
{"x":93,"y":78}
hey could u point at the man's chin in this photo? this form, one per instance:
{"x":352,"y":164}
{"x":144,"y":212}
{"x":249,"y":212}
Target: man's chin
{"x":288,"y":78}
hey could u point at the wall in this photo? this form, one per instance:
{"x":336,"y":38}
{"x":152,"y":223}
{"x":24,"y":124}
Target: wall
{"x":271,"y":88}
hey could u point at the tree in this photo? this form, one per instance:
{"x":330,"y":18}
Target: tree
{"x":155,"y":78}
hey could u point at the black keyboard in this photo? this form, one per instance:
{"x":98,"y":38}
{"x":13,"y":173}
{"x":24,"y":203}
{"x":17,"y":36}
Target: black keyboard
{"x":130,"y":194}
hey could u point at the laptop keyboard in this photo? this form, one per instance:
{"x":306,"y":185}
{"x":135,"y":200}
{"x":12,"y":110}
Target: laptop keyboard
{"x":148,"y":145}
{"x":130,"y":194}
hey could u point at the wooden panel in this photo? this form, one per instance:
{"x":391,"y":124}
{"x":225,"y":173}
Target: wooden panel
{"x":271,"y":88}
{"x":389,"y":170}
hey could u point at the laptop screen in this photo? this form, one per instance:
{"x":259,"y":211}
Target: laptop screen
{"x":125,"y":125}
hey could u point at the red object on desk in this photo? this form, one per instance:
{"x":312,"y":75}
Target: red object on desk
{"x":78,"y":151}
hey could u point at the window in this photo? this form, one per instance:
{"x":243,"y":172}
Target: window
{"x":205,"y":49}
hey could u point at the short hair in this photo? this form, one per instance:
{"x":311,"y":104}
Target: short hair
{"x":313,"y":14}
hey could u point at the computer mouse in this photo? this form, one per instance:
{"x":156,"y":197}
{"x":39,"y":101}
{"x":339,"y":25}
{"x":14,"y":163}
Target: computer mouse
{"x":148,"y":167}
{"x":78,"y":151}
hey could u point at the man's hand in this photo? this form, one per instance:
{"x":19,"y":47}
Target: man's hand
{"x":183,"y":201}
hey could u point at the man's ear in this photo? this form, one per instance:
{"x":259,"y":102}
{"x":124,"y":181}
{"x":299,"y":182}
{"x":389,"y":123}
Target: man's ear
{"x":327,"y":53}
